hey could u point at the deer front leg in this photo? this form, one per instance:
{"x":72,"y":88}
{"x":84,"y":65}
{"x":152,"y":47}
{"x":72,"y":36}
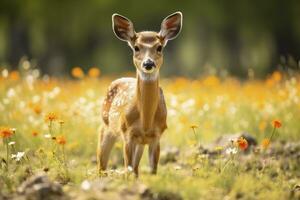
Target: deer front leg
{"x":137,"y":155}
{"x":128,"y":148}
{"x":154,"y":151}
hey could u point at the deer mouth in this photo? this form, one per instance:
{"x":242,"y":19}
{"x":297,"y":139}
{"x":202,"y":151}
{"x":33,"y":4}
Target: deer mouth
{"x":148,"y":69}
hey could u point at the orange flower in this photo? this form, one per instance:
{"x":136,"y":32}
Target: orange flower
{"x":276,"y":124}
{"x":6,"y":132}
{"x":242,"y":143}
{"x":37,"y":109}
{"x":51,"y":116}
{"x":61,"y":140}
{"x":94,"y":72}
{"x":14,"y":75}
{"x":77,"y":72}
{"x":34,"y":133}
{"x":265,"y":143}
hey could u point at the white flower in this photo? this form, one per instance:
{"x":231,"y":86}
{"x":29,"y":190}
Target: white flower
{"x":48,"y":136}
{"x":5,"y":73}
{"x":11,"y":143}
{"x":18,"y":156}
{"x":177,"y":167}
{"x":129,"y":168}
{"x":85,"y":185}
{"x":231,"y":151}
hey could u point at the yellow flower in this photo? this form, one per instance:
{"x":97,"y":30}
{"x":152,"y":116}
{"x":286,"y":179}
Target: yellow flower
{"x":276,"y":76}
{"x":34,"y":133}
{"x":77,"y":72}
{"x":194,"y":126}
{"x":51,"y":116}
{"x":94,"y":72}
{"x":37,"y":109}
{"x":219,"y":148}
{"x":265,"y":143}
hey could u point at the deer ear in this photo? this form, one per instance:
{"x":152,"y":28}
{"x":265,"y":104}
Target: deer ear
{"x":171,"y":26}
{"x":123,"y":28}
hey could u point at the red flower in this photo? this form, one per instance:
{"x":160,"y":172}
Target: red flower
{"x":5,"y":132}
{"x":276,"y":124}
{"x":242,"y":143}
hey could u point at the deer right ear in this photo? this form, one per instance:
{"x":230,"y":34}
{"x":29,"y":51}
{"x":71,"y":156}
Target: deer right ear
{"x":123,"y":28}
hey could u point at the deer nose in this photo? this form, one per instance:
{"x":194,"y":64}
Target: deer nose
{"x":148,"y":64}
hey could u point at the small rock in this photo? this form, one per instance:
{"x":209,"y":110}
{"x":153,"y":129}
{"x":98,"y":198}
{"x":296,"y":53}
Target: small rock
{"x":39,"y":187}
{"x":166,"y":195}
{"x":169,"y":154}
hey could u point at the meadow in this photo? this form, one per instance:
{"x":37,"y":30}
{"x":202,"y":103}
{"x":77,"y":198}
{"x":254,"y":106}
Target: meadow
{"x":50,"y":125}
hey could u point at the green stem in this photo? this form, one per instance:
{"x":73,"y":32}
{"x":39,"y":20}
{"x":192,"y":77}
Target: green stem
{"x":7,"y":154}
{"x":195,"y":134}
{"x":273,"y":132}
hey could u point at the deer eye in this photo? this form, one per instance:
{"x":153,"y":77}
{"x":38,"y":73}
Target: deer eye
{"x":159,"y":49}
{"x":136,"y":48}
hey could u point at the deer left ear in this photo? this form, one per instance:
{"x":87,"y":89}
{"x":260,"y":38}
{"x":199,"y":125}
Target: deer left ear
{"x":171,"y":27}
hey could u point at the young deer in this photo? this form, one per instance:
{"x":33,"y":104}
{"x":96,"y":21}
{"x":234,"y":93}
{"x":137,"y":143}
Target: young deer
{"x":135,"y":108}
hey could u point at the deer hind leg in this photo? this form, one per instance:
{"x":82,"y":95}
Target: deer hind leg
{"x":105,"y":144}
{"x":154,"y":151}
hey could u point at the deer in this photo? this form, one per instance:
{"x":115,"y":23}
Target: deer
{"x":134,"y":108}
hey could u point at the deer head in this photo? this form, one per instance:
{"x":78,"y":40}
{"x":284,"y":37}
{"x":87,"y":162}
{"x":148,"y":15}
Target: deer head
{"x":147,"y":46}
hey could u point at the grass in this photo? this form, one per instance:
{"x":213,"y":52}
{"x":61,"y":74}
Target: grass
{"x":199,"y":111}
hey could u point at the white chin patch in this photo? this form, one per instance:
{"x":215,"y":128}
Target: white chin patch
{"x":149,"y":75}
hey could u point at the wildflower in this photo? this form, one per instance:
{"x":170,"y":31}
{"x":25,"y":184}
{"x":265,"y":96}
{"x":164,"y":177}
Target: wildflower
{"x":77,"y":72}
{"x":37,"y":109}
{"x":6,"y":132}
{"x":34,"y":133}
{"x":11,"y":143}
{"x":48,"y":136}
{"x":51,"y":116}
{"x":61,"y":122}
{"x":231,"y":151}
{"x":193,"y":126}
{"x":130,"y":169}
{"x":265,"y":143}
{"x":276,"y":123}
{"x":94,"y":72}
{"x":61,"y":140}
{"x":219,"y":148}
{"x":242,"y":143}
{"x":85,"y":185}
{"x":276,"y":76}
{"x":14,"y":75}
{"x":18,"y":156}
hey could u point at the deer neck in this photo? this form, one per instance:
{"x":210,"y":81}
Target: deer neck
{"x":147,"y":99}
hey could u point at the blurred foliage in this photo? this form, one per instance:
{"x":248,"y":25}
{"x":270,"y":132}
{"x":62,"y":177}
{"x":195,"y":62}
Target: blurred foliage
{"x":218,"y":36}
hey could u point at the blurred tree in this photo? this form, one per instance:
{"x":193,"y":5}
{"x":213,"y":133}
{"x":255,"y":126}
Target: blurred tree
{"x":217,"y":36}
